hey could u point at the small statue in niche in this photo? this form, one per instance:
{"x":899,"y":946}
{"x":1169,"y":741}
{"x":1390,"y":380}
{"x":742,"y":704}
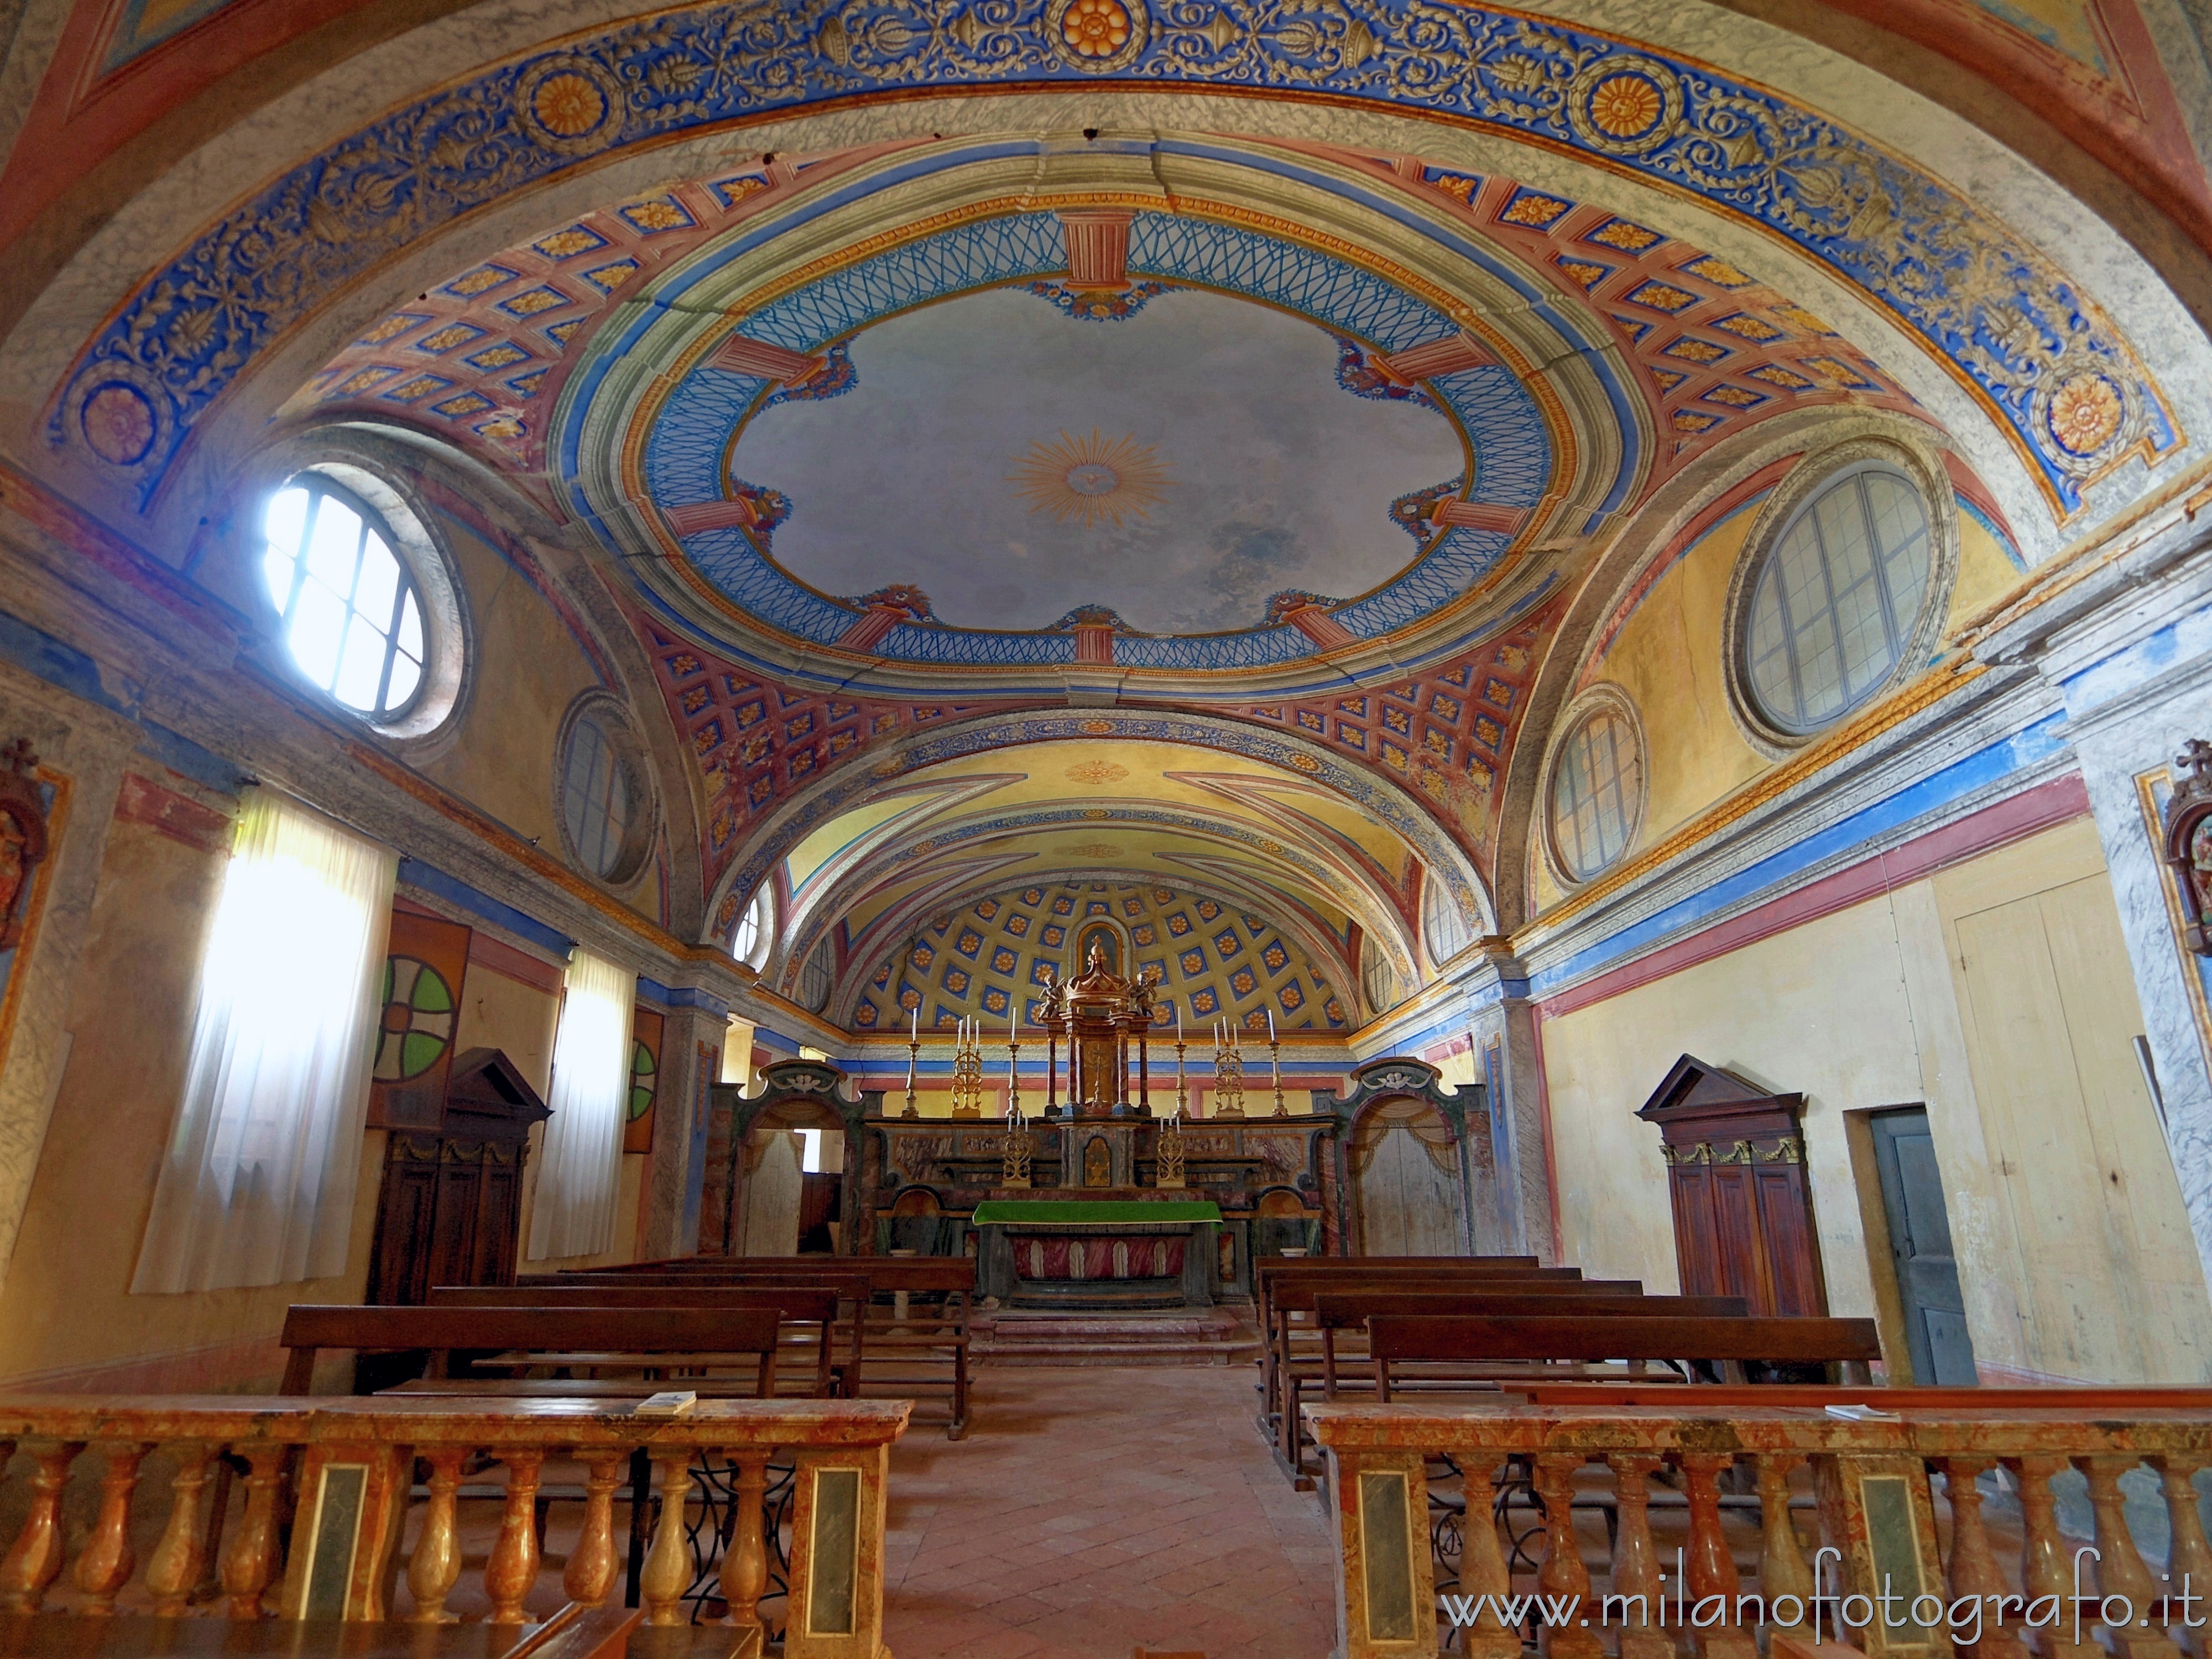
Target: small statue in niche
{"x":1098,"y":1163}
{"x":22,"y":836}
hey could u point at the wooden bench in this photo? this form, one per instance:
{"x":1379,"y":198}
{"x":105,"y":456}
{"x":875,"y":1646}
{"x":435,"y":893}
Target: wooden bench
{"x":1268,"y":1273}
{"x":1338,"y":1307}
{"x":922,"y":1351}
{"x":1552,"y":1338}
{"x":1297,"y":1282}
{"x":592,"y":1338}
{"x":814,"y":1304}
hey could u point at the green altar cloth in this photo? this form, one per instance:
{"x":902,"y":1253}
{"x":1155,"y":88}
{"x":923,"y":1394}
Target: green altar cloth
{"x":1096,"y":1212}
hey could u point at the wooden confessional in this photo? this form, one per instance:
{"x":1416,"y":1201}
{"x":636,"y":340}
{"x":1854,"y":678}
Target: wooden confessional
{"x":451,"y":1208}
{"x":1735,"y":1173}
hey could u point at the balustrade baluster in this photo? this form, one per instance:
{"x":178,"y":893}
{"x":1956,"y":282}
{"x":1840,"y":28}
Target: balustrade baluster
{"x":2120,"y":1570}
{"x":745,"y":1562}
{"x":1482,"y":1564}
{"x":1711,"y":1567}
{"x":435,"y":1566}
{"x":1635,"y":1563}
{"x":668,"y":1566}
{"x":1561,"y":1574}
{"x":105,"y":1565}
{"x":1782,"y":1569}
{"x":1973,"y":1568}
{"x":590,"y":1577}
{"x":172,"y":1572}
{"x":2043,"y":1560}
{"x":34,"y":1560}
{"x":513,"y":1568}
{"x":249,"y":1560}
{"x":2189,"y":1562}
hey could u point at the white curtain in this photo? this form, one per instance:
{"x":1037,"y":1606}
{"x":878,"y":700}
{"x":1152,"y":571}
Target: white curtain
{"x":257,"y":1184}
{"x":580,"y":1167}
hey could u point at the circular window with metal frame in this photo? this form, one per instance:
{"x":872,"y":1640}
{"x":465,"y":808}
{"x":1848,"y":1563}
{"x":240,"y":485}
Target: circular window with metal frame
{"x":606,"y":800}
{"x":1594,"y":785}
{"x":1843,"y":588}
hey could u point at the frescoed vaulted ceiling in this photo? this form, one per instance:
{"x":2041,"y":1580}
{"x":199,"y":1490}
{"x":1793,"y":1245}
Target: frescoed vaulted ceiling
{"x":1153,"y":473}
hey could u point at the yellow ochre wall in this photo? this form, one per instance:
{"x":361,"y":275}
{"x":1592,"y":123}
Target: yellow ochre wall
{"x":502,"y":759}
{"x":67,"y":1317}
{"x":2074,"y":1250}
{"x":1667,"y":658}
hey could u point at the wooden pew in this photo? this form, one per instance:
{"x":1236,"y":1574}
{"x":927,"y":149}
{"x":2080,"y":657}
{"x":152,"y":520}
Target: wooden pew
{"x":1338,"y":1308}
{"x":814,"y":1304}
{"x":1552,"y":1338}
{"x":642,"y":1337}
{"x":1294,"y":1278}
{"x":1350,"y":1310}
{"x":1285,"y":1365}
{"x":925,"y":1351}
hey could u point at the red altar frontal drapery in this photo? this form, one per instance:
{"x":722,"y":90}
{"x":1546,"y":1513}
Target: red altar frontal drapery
{"x":1158,"y":1256}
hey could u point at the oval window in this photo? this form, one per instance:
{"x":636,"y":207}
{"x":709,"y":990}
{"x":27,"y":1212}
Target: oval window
{"x":603,"y":800}
{"x":347,"y":607}
{"x":751,"y":944}
{"x":1837,"y":599}
{"x":1597,"y":791}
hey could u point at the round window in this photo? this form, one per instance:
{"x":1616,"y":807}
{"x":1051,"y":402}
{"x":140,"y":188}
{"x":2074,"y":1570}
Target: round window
{"x":1378,"y":981}
{"x":814,"y":978}
{"x":1444,"y":931}
{"x":1596,"y":792}
{"x":751,"y":943}
{"x":347,"y":605}
{"x":604,"y":806}
{"x":1837,"y":598}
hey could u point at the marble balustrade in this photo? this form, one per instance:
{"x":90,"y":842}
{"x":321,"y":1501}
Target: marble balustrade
{"x":335,"y":1476}
{"x":1415,"y":1557}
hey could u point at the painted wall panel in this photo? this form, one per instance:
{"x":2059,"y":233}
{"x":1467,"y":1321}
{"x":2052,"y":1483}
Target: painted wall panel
{"x":2074,"y":1255}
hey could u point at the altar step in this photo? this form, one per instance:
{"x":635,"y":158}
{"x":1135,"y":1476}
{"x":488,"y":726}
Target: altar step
{"x":1019,"y":1337}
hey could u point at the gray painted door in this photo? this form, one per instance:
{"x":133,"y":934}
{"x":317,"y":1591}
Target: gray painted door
{"x":1920,"y":1245}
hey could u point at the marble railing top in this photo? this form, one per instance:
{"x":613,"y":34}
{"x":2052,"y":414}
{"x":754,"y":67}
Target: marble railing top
{"x":718,"y":1424}
{"x":2181,"y":1426}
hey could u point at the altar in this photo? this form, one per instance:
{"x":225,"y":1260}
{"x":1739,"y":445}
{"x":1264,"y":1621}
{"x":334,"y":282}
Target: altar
{"x":1090,"y":1250}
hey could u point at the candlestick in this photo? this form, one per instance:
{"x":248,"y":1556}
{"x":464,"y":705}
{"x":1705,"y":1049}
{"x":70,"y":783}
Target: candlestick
{"x":1182,"y":1090}
{"x":912,"y":1059}
{"x":1275,"y":1063}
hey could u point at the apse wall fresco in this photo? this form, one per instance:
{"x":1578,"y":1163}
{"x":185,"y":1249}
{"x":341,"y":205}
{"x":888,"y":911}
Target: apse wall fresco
{"x":992,"y":957}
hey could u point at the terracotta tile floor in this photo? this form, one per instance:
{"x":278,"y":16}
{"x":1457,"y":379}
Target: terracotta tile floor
{"x":1093,"y":1512}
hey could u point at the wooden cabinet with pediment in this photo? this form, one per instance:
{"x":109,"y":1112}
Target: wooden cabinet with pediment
{"x":1737,"y":1181}
{"x":451,"y":1209}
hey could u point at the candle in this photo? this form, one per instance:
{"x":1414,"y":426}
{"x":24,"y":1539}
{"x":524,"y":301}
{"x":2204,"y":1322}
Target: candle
{"x":917,"y":1022}
{"x":1270,"y":1024}
{"x":1178,"y":1021}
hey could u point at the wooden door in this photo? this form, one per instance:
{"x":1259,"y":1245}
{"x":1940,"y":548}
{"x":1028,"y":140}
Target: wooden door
{"x":2113,"y":1286}
{"x":1406,"y":1186}
{"x":1920,"y":1249}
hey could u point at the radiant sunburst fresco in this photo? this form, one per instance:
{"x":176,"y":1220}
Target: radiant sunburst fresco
{"x":1095,"y":479}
